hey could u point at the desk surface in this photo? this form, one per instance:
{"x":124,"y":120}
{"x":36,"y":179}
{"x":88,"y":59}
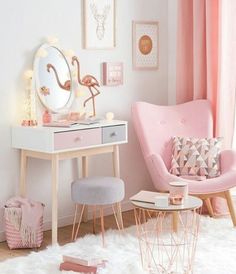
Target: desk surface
{"x":102,"y":123}
{"x":47,"y":139}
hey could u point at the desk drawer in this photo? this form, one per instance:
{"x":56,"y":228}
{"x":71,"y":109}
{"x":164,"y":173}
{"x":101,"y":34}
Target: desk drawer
{"x":77,"y":138}
{"x":113,"y":134}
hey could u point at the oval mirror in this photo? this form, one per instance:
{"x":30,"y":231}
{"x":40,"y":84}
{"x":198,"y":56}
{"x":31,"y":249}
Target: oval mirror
{"x":53,"y":78}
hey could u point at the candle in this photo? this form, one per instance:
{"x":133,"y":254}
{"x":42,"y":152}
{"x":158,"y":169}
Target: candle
{"x":109,"y":116}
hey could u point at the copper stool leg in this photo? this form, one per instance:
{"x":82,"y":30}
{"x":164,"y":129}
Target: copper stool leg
{"x":74,"y":222}
{"x":116,"y":218}
{"x":94,"y":219}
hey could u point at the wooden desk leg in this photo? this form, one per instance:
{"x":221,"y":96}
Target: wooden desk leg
{"x":116,"y":169}
{"x":23,"y":169}
{"x":116,"y":161}
{"x":84,"y":175}
{"x":55,"y":164}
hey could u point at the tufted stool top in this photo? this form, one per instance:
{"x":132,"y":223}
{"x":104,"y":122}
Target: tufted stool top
{"x":97,"y":190}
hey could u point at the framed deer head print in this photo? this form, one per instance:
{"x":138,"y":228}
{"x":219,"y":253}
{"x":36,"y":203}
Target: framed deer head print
{"x":99,"y":24}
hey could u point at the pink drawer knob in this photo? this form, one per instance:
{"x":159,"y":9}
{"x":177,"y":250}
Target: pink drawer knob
{"x":78,"y":138}
{"x":113,"y":134}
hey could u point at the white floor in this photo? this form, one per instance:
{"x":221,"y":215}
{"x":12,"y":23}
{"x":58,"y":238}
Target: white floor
{"x":216,"y":252}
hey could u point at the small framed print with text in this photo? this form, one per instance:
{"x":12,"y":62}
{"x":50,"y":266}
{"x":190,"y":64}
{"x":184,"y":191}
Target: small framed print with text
{"x":99,"y":24}
{"x":145,"y":45}
{"x":112,"y":73}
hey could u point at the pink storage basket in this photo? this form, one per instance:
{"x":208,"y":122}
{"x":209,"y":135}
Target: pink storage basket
{"x":13,"y":236}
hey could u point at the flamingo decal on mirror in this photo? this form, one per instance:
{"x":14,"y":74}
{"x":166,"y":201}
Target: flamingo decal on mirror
{"x":66,"y":85}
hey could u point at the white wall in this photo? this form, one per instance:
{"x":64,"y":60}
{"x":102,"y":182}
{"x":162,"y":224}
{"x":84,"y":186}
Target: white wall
{"x":23,"y":25}
{"x":172,"y":37}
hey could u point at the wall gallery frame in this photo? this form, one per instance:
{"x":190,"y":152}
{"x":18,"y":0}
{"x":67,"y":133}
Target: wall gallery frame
{"x":99,"y":24}
{"x":145,"y":45}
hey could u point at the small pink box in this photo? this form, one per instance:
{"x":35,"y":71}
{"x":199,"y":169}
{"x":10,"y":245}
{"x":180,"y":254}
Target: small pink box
{"x":112,"y":73}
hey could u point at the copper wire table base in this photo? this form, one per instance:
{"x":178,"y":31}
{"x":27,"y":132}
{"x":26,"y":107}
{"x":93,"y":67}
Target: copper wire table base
{"x":163,"y":250}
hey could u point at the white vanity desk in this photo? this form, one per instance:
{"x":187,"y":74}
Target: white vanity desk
{"x":57,"y":143}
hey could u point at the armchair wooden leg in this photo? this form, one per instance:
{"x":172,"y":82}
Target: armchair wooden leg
{"x":119,"y":215}
{"x":230,"y":206}
{"x":209,"y":207}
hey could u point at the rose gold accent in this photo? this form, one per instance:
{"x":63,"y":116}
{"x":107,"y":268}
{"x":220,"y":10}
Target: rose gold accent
{"x":175,"y":221}
{"x":74,"y":222}
{"x":116,"y":219}
{"x":67,"y":84}
{"x":88,"y":81}
{"x":162,"y":250}
{"x":176,"y":199}
{"x":145,"y":44}
{"x":94,"y":219}
{"x":29,"y":123}
{"x":80,"y":219}
{"x":117,"y":215}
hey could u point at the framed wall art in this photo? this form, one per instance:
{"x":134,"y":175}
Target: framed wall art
{"x":112,"y":73}
{"x":99,"y":24}
{"x":145,"y":45}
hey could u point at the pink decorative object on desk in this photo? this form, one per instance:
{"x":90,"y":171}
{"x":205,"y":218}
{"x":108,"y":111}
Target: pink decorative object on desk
{"x":47,"y":117}
{"x":176,"y":200}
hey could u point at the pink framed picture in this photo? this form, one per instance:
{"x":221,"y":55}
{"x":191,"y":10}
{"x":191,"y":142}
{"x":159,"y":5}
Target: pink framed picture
{"x":99,"y":24}
{"x":112,"y":73}
{"x":145,"y":45}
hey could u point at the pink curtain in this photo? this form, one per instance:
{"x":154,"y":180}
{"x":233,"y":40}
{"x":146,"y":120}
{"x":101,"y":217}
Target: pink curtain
{"x":206,"y":62}
{"x":201,"y":70}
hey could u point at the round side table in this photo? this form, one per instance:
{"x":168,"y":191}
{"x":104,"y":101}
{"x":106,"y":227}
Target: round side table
{"x":163,"y":249}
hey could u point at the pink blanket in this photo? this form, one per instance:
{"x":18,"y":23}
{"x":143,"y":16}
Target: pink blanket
{"x":25,"y":220}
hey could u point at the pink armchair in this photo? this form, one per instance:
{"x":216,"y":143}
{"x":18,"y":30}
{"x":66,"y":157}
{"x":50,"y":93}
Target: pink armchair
{"x":155,"y":125}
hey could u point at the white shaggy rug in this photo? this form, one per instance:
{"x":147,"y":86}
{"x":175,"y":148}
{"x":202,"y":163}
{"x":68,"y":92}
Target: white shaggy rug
{"x":216,"y":252}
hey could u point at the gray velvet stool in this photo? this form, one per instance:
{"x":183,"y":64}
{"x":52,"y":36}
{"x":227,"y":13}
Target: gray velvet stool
{"x":97,"y":191}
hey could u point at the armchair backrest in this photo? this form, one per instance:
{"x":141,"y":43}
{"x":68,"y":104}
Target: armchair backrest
{"x":155,"y":125}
